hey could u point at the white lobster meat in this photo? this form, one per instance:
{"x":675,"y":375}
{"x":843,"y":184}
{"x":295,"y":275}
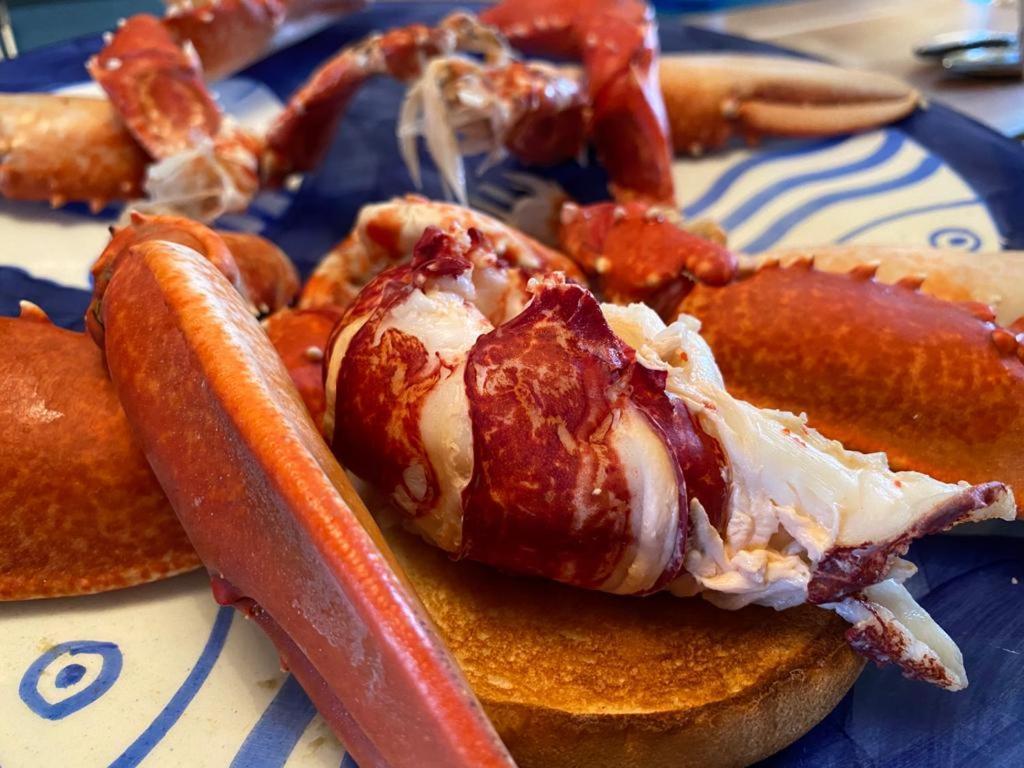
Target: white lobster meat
{"x":518,"y":422}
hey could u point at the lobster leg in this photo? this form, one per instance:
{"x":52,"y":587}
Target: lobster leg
{"x":273,"y":515}
{"x":301,"y":135}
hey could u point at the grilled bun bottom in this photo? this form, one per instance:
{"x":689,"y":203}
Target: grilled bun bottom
{"x":576,"y":678}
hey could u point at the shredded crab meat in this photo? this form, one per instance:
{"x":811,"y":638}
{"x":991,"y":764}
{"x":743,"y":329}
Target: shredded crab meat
{"x":797,"y":500}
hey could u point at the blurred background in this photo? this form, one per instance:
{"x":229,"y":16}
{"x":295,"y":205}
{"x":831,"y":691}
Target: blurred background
{"x":869,"y":34}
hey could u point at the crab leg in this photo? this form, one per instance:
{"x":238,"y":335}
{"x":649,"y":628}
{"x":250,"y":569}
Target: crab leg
{"x":273,"y":516}
{"x":938,"y":386}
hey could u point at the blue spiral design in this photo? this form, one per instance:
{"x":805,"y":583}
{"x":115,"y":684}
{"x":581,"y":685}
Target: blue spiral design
{"x":960,"y":238}
{"x":68,"y":675}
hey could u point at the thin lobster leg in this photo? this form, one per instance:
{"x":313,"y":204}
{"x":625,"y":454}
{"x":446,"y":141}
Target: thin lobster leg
{"x":301,"y":135}
{"x":273,"y":516}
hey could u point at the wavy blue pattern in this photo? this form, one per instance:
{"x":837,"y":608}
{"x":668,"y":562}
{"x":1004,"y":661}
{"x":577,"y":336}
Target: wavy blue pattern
{"x":889,"y":147}
{"x":906,"y":213}
{"x":278,"y":730}
{"x":70,"y":674}
{"x":348,"y":762}
{"x":781,"y":226}
{"x":163,"y":722}
{"x":725,"y":182}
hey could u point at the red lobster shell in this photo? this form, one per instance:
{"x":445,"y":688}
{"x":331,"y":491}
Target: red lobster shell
{"x":937,"y":386}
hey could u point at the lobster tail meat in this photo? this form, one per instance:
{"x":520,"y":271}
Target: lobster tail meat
{"x":386,"y":233}
{"x":82,"y":510}
{"x":446,"y":344}
{"x":273,"y":516}
{"x":937,"y":386}
{"x":554,"y":436}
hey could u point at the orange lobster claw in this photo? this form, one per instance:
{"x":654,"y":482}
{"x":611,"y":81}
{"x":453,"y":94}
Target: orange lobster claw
{"x":274,"y":517}
{"x":82,"y":511}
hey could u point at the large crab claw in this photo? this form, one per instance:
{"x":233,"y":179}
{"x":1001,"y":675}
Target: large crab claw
{"x":273,"y":516}
{"x":711,"y":97}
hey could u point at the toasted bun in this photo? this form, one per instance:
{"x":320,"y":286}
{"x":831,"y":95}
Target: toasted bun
{"x":575,"y":678}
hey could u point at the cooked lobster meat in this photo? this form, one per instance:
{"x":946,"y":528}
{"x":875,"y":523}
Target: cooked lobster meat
{"x":521,"y":423}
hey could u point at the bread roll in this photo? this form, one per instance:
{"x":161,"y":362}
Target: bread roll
{"x":573,"y":678}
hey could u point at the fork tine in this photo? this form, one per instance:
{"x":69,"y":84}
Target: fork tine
{"x":9,"y":44}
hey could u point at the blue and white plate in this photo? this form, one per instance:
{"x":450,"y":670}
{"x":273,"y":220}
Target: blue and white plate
{"x":160,"y":676}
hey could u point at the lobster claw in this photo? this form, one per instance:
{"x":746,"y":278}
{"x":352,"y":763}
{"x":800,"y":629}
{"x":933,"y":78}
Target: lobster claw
{"x":711,"y":97}
{"x":273,"y":516}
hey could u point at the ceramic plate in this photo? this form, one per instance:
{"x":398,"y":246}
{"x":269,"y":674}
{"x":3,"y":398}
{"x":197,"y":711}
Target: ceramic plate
{"x":160,"y":676}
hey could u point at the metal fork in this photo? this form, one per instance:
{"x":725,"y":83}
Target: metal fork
{"x":8,"y":45}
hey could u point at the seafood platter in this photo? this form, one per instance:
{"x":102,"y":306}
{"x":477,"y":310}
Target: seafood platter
{"x":540,"y":384}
